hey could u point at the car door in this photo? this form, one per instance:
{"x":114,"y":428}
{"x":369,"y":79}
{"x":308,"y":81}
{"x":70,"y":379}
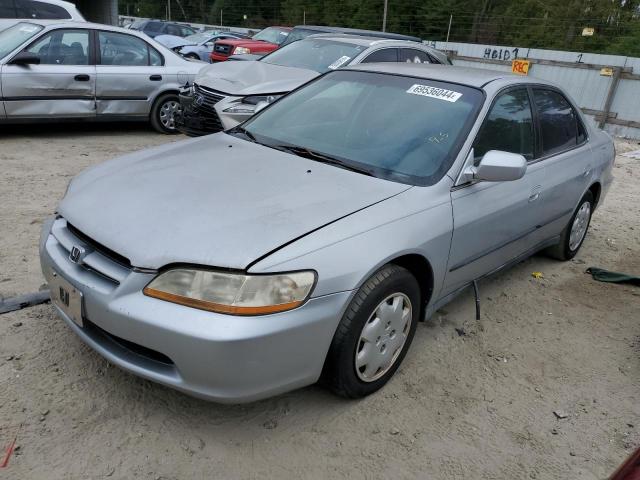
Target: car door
{"x":566,"y":155}
{"x":494,"y":222}
{"x":62,"y":85}
{"x":130,"y":74}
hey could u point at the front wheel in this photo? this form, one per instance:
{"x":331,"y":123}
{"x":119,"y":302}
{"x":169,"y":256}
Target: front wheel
{"x":163,"y":113}
{"x":374,"y":334}
{"x":192,"y":56}
{"x":576,"y":230}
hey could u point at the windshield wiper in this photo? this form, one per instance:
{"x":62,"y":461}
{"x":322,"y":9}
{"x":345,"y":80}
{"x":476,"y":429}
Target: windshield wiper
{"x":321,"y":157}
{"x":243,"y":131}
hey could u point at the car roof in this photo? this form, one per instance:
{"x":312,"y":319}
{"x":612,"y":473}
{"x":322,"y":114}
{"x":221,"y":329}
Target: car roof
{"x":361,"y":40}
{"x":473,"y":77}
{"x":360,"y":32}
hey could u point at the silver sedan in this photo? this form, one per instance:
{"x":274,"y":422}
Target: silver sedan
{"x":91,"y":72}
{"x":309,"y":242}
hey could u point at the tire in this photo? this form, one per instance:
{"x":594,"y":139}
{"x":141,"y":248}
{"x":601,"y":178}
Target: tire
{"x":348,"y":371}
{"x":568,"y":246}
{"x":192,"y":56}
{"x":166,"y":104}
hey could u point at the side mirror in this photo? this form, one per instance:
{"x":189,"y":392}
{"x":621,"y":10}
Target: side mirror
{"x":499,"y":166}
{"x":25,"y":58}
{"x":209,"y":44}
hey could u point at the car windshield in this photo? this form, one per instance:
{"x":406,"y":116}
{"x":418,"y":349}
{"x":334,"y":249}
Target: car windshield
{"x":272,"y":35}
{"x":399,"y":128}
{"x":13,"y":37}
{"x":300,"y":33}
{"x":315,"y":54}
{"x":198,"y":38}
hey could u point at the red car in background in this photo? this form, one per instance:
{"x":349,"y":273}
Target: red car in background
{"x":265,"y":41}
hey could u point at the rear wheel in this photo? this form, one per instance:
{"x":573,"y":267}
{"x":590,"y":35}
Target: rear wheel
{"x":163,"y":113}
{"x":576,"y":230}
{"x":374,"y":334}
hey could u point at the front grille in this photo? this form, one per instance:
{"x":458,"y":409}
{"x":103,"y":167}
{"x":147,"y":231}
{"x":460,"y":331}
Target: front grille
{"x":131,"y":347}
{"x":125,"y":262}
{"x":204,"y":108}
{"x":209,"y":97}
{"x":222,"y":48}
{"x":98,"y":258}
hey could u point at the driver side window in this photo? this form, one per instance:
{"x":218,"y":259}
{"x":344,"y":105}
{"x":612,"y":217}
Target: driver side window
{"x":62,"y":47}
{"x":508,"y":126}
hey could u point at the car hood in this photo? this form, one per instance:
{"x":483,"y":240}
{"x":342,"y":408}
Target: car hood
{"x":253,"y":77}
{"x":172,"y":41}
{"x":216,"y":200}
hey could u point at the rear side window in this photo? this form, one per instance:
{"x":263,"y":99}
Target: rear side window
{"x":7,"y":10}
{"x":384,"y":55}
{"x":560,"y":128}
{"x":508,"y":126}
{"x":40,"y":10}
{"x":411,"y":55}
{"x":127,"y":50}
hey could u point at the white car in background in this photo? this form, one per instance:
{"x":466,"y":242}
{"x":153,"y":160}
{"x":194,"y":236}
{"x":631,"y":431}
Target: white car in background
{"x":47,"y":11}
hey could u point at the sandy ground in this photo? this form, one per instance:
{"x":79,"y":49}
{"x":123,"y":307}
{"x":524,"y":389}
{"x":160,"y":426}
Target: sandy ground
{"x":475,"y":406}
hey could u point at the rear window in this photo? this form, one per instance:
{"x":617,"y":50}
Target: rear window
{"x":40,"y":10}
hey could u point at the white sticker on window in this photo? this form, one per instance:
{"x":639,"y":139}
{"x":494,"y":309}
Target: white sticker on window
{"x":435,"y":92}
{"x":339,"y":62}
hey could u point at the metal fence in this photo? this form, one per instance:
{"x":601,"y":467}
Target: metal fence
{"x":606,"y":87}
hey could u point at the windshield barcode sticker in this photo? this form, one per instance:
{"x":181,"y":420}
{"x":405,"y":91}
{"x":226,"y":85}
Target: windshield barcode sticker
{"x":340,"y":62}
{"x":435,"y":92}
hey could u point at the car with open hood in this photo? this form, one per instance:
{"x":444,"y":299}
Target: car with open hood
{"x":309,"y":242}
{"x":226,"y":94}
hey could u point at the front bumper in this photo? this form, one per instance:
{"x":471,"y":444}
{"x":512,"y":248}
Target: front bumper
{"x":212,"y":356}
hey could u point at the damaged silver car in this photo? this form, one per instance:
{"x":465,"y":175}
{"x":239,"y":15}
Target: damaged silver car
{"x":308,"y":242}
{"x":88,"y":71}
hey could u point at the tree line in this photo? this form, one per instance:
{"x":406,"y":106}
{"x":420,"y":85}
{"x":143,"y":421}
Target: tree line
{"x":553,"y":24}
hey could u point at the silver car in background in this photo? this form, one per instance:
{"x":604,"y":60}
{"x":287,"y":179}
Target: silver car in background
{"x":309,"y":242}
{"x":91,"y":72}
{"x":228,"y":93}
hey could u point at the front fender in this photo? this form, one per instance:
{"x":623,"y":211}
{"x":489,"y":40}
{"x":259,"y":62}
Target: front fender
{"x":346,"y":253}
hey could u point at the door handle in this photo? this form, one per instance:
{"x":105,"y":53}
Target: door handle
{"x":535,"y":193}
{"x":82,"y":78}
{"x":155,"y":78}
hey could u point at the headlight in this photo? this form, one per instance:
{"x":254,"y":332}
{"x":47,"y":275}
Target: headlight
{"x":233,"y":293}
{"x":249,"y":104}
{"x":241,"y":50}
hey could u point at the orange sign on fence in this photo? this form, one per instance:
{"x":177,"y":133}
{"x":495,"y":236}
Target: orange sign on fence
{"x":521,"y":67}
